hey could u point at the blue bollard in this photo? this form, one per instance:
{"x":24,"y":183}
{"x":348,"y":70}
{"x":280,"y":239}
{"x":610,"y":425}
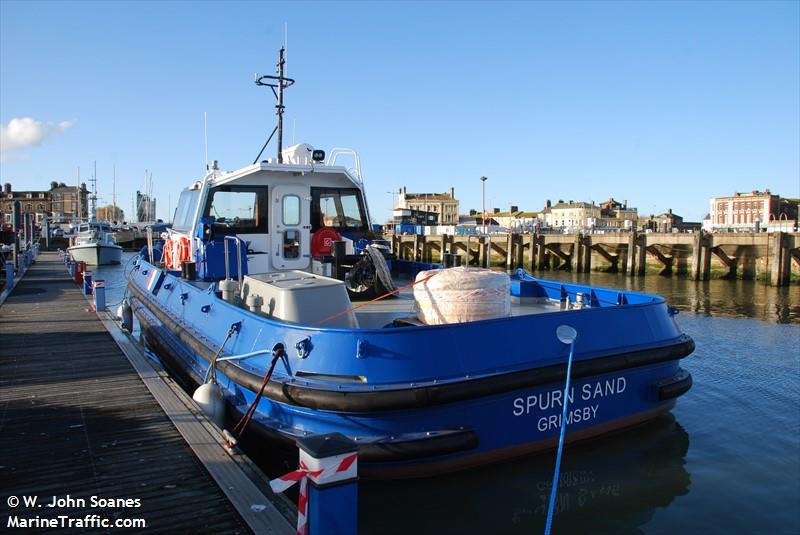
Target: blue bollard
{"x":99,"y":295}
{"x":87,"y":283}
{"x":333,"y":496}
{"x":9,"y":275}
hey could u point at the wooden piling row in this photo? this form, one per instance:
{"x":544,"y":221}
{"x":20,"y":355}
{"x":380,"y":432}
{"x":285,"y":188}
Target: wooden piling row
{"x":630,"y":253}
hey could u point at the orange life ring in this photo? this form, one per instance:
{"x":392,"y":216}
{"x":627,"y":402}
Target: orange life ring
{"x":176,"y":251}
{"x":166,"y":255}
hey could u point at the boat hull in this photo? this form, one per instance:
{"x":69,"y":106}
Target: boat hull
{"x":420,"y":428}
{"x":96,"y":254}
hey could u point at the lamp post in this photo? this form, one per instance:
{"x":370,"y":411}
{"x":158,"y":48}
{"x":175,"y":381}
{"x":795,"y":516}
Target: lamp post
{"x":483,"y":202}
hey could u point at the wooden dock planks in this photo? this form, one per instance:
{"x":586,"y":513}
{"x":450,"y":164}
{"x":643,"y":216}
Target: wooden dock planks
{"x":76,"y":419}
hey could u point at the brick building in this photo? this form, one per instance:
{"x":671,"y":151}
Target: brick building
{"x":60,"y":202}
{"x":750,"y":211}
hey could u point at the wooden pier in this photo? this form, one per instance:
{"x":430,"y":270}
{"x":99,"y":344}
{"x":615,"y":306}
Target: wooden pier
{"x":773,"y":257}
{"x":80,"y":417}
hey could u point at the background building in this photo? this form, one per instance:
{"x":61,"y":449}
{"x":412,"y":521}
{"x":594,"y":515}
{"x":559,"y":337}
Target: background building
{"x":61,"y":203}
{"x":668,"y":222}
{"x":751,"y":211}
{"x":110,"y":213}
{"x":30,"y":202}
{"x":69,"y":203}
{"x":444,"y":204}
{"x":145,"y":207}
{"x":571,"y":216}
{"x":615,"y":216}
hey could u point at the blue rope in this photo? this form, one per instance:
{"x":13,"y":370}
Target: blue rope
{"x":560,"y":443}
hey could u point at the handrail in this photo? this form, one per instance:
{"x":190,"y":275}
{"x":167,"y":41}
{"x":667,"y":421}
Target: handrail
{"x":340,"y":151}
{"x":238,"y":259}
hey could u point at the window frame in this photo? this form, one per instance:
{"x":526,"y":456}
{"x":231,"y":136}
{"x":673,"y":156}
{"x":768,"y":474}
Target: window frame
{"x":262,"y":197}
{"x":317,"y":192}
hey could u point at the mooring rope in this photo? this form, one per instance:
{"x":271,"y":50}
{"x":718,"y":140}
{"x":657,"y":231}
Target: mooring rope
{"x":213,"y":365}
{"x":554,"y":491}
{"x":241,"y":426}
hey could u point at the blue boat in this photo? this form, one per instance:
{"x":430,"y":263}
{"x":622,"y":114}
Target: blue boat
{"x":255,"y":294}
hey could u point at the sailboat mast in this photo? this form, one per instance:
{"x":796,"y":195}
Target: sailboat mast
{"x":93,"y":198}
{"x":79,"y":212}
{"x":114,"y":195}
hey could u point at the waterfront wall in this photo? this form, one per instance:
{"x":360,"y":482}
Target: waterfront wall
{"x":772,"y":257}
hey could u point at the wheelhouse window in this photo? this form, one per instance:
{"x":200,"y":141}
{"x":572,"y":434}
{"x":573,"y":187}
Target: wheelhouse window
{"x":340,"y":208}
{"x":238,"y":209}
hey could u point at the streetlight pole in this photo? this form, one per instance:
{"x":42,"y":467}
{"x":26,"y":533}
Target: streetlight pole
{"x":483,"y":202}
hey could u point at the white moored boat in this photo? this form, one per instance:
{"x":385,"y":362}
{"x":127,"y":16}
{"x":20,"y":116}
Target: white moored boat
{"x":95,"y":245}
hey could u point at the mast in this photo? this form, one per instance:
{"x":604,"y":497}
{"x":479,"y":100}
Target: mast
{"x":277,"y":84}
{"x":281,"y":64}
{"x":114,"y":195}
{"x":78,"y":212}
{"x":93,"y":197}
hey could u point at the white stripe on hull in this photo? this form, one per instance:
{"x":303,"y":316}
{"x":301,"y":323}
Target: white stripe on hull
{"x":96,"y":255}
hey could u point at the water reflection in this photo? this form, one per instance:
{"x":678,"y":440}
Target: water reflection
{"x":611,"y":485}
{"x":719,"y":297}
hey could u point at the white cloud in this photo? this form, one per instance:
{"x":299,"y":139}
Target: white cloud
{"x":22,"y":132}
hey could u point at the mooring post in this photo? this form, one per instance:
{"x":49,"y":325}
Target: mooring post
{"x":777,"y":272}
{"x":332,"y":499}
{"x":630,"y":257}
{"x":87,"y":283}
{"x":697,"y":255}
{"x":576,"y":258}
{"x":509,"y":251}
{"x":588,"y":243}
{"x":541,"y":252}
{"x":9,"y":274}
{"x":99,"y":295}
{"x":641,"y":256}
{"x":532,"y":251}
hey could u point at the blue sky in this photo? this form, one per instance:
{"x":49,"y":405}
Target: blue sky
{"x":662,"y":104}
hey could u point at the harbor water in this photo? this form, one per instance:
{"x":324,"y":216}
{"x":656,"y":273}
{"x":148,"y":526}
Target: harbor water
{"x":726,"y":460}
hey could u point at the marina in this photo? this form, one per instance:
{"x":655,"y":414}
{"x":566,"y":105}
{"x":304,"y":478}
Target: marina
{"x":648,"y":478}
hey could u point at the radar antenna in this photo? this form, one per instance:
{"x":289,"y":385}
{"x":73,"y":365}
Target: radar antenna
{"x":277,"y":84}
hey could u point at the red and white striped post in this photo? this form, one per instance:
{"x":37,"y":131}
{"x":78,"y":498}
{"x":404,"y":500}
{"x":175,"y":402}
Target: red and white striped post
{"x":329,"y":504}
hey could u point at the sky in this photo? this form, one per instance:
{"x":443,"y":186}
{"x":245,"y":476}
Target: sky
{"x":662,"y":104}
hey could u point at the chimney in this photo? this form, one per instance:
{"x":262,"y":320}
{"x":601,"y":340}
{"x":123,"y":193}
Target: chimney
{"x":7,"y":187}
{"x":452,"y":193}
{"x":625,"y":204}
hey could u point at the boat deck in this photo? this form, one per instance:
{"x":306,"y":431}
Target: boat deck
{"x":76,"y":419}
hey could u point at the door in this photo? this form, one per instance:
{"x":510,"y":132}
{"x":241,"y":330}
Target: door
{"x":291,"y":229}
